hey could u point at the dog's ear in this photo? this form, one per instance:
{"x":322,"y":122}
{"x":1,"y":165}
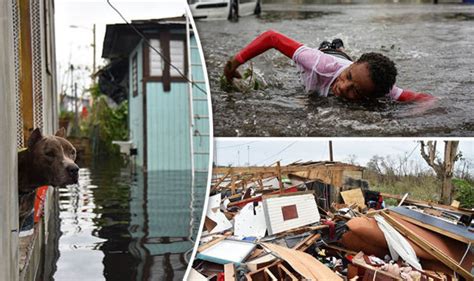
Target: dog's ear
{"x":35,"y":137}
{"x":61,"y":133}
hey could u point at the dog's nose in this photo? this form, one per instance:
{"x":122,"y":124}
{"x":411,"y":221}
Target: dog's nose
{"x":73,"y":170}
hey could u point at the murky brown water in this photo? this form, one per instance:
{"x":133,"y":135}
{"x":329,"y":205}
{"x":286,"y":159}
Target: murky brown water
{"x":118,"y":225}
{"x":432,"y":46}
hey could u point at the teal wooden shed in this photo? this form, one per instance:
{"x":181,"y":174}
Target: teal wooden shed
{"x":169,"y":117}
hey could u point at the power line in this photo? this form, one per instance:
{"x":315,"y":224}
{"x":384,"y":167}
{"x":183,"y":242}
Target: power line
{"x":237,"y":145}
{"x":154,"y":49}
{"x":286,"y":147}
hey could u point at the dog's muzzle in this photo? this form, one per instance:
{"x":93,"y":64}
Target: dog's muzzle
{"x":73,"y":172}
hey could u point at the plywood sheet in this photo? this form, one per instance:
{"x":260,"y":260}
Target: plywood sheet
{"x":354,"y":196}
{"x":303,"y":263}
{"x":288,"y":212}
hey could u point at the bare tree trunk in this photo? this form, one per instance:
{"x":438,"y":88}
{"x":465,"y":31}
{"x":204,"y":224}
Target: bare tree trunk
{"x":450,"y":156}
{"x":443,"y":170}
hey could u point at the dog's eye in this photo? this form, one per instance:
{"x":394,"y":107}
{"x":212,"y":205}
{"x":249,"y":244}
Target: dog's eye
{"x":50,"y":153}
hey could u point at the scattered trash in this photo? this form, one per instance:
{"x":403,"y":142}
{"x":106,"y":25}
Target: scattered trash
{"x":320,"y":221}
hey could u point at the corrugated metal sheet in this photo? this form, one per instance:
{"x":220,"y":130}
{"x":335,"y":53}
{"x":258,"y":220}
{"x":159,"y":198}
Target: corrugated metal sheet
{"x":168,"y":124}
{"x":306,"y":212}
{"x":136,"y":106}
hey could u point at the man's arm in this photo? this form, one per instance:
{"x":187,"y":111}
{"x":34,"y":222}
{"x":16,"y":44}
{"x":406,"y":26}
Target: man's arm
{"x":410,"y":96}
{"x":267,"y":40}
{"x":401,"y":95}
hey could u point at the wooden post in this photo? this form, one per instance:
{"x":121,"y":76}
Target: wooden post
{"x":279,"y":177}
{"x":26,"y":74}
{"x":232,"y":186}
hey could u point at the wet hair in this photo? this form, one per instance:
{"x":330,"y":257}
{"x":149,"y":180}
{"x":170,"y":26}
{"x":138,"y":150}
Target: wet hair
{"x":382,"y":72}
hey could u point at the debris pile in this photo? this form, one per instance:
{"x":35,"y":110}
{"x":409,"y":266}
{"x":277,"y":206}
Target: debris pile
{"x":320,"y":221}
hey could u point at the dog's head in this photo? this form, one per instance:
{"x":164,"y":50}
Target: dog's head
{"x":52,"y":158}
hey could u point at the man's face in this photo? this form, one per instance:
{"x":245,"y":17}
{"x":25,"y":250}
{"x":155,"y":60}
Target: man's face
{"x":354,"y":83}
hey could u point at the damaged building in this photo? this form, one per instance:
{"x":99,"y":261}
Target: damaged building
{"x":321,"y":221}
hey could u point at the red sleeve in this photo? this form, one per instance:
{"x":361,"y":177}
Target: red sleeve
{"x":408,"y":96}
{"x":267,"y":40}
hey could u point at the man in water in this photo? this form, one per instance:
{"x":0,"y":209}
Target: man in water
{"x":370,"y":77}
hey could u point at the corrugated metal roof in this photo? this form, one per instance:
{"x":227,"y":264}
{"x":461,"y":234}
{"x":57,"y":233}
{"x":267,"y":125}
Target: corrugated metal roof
{"x":120,"y":39}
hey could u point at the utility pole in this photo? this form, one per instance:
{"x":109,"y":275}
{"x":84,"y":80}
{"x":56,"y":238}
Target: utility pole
{"x":330,"y":152}
{"x":248,"y":155}
{"x":94,"y":50}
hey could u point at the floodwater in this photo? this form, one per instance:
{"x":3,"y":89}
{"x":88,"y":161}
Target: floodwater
{"x":432,"y":46}
{"x":117,"y":225}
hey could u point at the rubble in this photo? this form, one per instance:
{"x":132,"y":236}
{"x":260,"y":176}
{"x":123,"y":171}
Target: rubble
{"x":320,"y":221}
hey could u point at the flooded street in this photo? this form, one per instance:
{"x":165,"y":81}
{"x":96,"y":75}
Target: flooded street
{"x":116,"y":225}
{"x":432,"y":46}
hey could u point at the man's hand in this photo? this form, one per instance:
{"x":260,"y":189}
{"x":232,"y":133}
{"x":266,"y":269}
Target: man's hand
{"x":230,"y":70}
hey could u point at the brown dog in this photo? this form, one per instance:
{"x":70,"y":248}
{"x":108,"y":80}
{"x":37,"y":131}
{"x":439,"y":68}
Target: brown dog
{"x":48,"y":160}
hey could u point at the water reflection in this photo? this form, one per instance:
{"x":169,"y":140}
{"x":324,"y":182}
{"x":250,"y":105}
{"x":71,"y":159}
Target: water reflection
{"x":116,"y":225}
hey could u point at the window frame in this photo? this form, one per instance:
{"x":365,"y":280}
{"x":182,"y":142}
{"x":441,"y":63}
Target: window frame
{"x":165,"y":37}
{"x":135,"y":75}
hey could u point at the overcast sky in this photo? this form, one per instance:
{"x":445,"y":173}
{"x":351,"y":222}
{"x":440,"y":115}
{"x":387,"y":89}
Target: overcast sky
{"x":265,"y":151}
{"x":73,"y":45}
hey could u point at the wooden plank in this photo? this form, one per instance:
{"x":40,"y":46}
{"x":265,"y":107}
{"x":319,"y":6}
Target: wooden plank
{"x":463,"y":211}
{"x":286,"y":169}
{"x":303,"y":263}
{"x":280,"y":182}
{"x":26,"y":77}
{"x":307,"y":242}
{"x":431,"y":249}
{"x":229,"y":272}
{"x":285,"y":273}
{"x":211,"y":243}
{"x":256,"y":275}
{"x":341,"y":249}
{"x":244,"y":202}
{"x":232,"y":186}
{"x":270,"y":274}
{"x":216,"y":185}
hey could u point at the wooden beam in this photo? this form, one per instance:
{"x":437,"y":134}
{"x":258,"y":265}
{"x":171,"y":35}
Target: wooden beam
{"x":232,"y":186}
{"x":270,"y":274}
{"x":341,"y":249}
{"x":463,"y":211}
{"x":211,"y":243}
{"x":428,"y":247}
{"x":307,"y":242}
{"x":222,"y":178}
{"x":229,"y":272}
{"x":286,"y":169}
{"x":285,"y":273}
{"x":26,"y":72}
{"x":280,"y":181}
